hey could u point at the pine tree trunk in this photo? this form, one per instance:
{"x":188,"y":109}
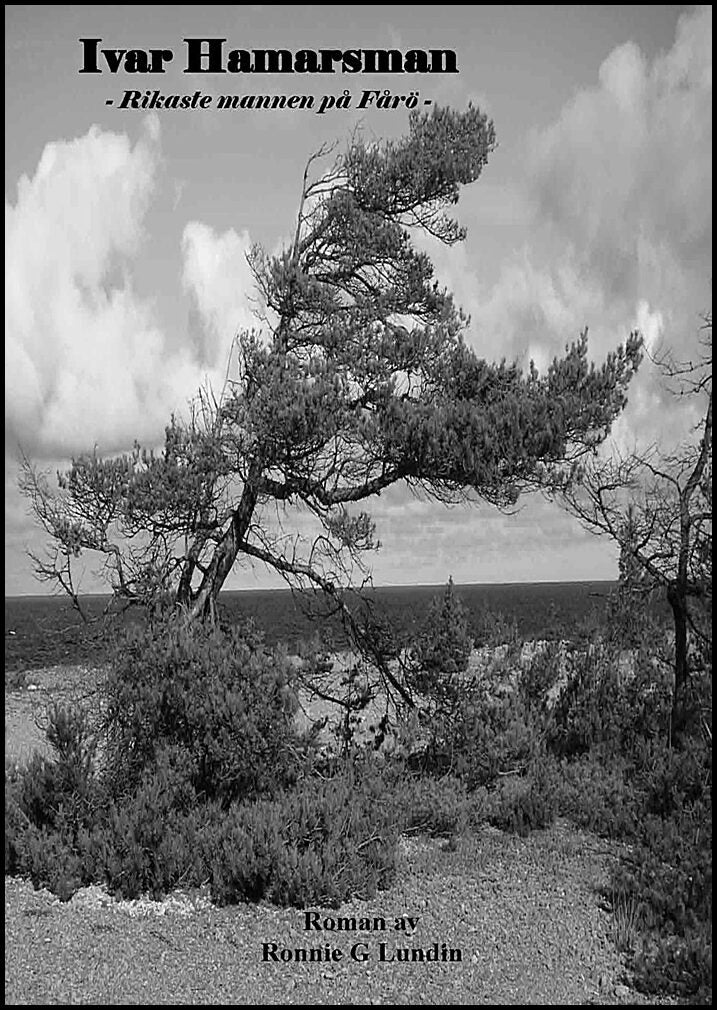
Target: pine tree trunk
{"x":203,"y":605}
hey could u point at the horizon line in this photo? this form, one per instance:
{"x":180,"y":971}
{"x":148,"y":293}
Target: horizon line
{"x":397,"y":585}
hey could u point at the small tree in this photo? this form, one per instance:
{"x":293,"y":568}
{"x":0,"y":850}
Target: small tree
{"x":441,"y":654}
{"x":357,"y":379}
{"x":434,"y":671}
{"x":657,"y":506}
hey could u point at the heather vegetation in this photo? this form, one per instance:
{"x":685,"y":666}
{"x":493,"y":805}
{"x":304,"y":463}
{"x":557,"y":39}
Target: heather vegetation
{"x":191,"y":769}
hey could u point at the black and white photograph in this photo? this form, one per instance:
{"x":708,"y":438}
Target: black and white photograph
{"x":358,"y":504}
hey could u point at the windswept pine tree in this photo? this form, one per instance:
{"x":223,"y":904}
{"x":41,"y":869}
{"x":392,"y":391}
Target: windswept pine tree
{"x":357,"y":378}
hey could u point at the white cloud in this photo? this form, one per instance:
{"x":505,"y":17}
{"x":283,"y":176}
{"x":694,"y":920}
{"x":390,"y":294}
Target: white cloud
{"x":86,"y":361}
{"x":617,"y":229}
{"x":625,"y":173}
{"x":614,"y":203}
{"x":617,"y":201}
{"x":217,"y":276}
{"x":623,"y":193}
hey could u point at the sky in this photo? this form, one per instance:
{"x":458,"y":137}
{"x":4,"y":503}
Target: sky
{"x":126,"y":230}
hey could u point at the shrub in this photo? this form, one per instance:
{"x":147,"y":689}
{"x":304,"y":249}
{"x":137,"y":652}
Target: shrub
{"x":600,"y":793}
{"x":49,"y":801}
{"x":670,"y":875}
{"x":492,"y":629}
{"x":190,"y":715}
{"x":323,"y":843}
{"x":147,"y":840}
{"x":440,"y":656}
{"x":541,"y":673}
{"x":493,"y":732}
{"x":16,"y":821}
{"x":217,"y":697}
{"x":49,"y":859}
{"x":678,"y":965}
{"x":521,"y":804}
{"x":612,"y":700}
{"x":433,"y":806}
{"x":660,"y":799}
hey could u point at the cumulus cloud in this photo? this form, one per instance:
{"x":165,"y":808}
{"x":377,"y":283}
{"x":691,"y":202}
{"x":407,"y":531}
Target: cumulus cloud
{"x":608,"y":219}
{"x":622,"y":180}
{"x":85,"y":359}
{"x":88,"y":361}
{"x":218,"y":278}
{"x":615,"y":199}
{"x":618,"y":219}
{"x":625,"y":172}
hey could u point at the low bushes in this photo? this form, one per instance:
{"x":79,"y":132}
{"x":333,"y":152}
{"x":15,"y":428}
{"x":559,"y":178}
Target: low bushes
{"x":584,"y":732}
{"x":441,"y":807}
{"x":195,"y":773}
{"x":322,"y":843}
{"x":217,"y":698}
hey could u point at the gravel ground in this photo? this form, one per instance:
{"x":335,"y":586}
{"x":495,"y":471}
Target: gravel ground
{"x":27,"y":696}
{"x":524,"y":913}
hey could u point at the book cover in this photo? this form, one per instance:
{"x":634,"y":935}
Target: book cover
{"x":335,"y":298}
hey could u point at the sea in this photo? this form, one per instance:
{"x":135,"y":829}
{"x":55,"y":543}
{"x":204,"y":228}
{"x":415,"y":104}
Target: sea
{"x":47,"y":631}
